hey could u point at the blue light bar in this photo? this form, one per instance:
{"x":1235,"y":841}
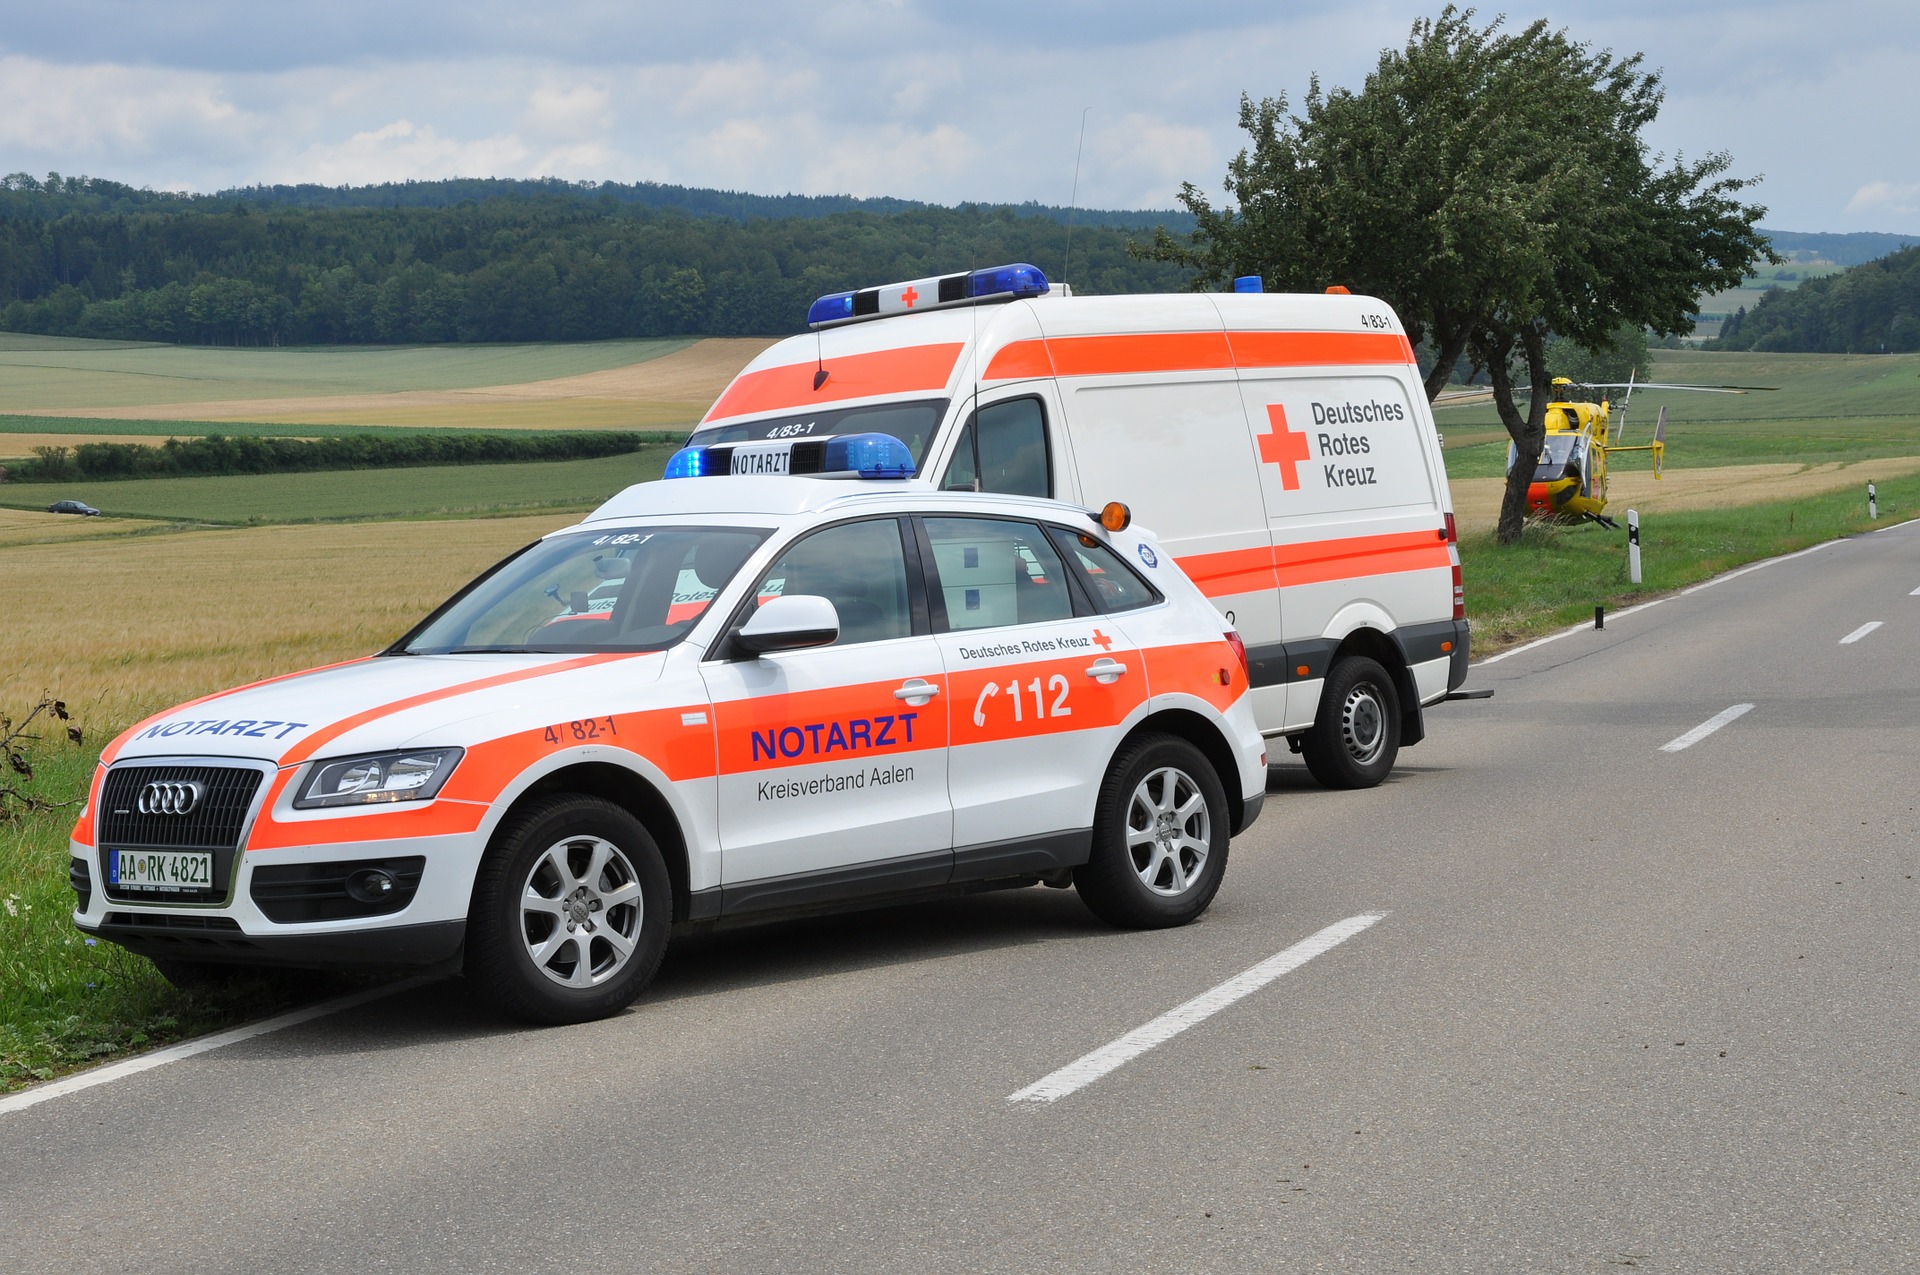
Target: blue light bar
{"x":869,"y":456}
{"x":996,"y":283}
{"x":1249,"y":283}
{"x":691,"y":462}
{"x":832,"y":308}
{"x":1018,"y":280}
{"x":838,"y":456}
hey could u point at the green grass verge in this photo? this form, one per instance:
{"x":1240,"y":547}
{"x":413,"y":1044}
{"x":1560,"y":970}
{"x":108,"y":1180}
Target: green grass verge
{"x":1557,"y":575}
{"x":67,"y":1001}
{"x":358,"y":494}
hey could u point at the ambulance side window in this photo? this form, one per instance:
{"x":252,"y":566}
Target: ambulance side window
{"x":860,"y":567}
{"x":1003,"y":449}
{"x":992,"y":571}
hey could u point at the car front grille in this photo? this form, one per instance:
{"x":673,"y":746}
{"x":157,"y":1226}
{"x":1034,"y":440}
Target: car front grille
{"x":215,"y":824}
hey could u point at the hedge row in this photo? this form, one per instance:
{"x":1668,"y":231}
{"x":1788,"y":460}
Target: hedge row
{"x":218,"y":454}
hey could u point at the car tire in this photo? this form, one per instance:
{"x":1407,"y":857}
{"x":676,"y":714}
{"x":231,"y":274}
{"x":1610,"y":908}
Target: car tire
{"x":1356,"y":736}
{"x":1160,"y":831}
{"x":570,"y":912}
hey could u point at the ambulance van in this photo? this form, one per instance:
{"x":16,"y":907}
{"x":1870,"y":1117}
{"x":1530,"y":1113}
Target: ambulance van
{"x":1280,"y":446}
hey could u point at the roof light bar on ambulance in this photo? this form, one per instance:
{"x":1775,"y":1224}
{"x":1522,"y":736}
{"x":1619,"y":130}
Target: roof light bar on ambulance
{"x":843,"y":456}
{"x":997,"y":283}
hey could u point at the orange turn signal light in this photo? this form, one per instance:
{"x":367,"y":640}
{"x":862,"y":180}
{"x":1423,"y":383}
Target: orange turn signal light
{"x":1338,"y":290}
{"x":1446,"y":646}
{"x":1301,"y":671}
{"x":1116,"y":516}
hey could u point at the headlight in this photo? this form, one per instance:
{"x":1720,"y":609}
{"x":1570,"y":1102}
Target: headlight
{"x":413,"y":775}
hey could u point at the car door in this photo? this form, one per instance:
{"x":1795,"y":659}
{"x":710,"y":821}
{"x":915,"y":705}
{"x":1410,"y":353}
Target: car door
{"x":1040,"y":687}
{"x":833,"y":759}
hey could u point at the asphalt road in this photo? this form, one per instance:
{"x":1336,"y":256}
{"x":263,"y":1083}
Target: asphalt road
{"x":1627,"y":1007}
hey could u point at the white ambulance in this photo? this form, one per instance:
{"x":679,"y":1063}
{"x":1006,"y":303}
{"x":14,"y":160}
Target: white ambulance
{"x":715,"y":699}
{"x":1280,"y":446}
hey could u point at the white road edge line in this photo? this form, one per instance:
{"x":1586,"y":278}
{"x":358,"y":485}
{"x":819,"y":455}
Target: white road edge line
{"x":1706,"y":728}
{"x":187,"y":1049}
{"x":1084,"y":1071}
{"x":1860,"y":632}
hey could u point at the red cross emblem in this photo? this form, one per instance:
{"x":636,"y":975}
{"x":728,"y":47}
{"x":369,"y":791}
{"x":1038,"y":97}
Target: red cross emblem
{"x":1102,"y":641}
{"x":1284,"y":447}
{"x":908,"y":297}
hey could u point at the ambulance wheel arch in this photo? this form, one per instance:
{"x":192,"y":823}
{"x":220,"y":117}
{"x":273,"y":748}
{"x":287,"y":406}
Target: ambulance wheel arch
{"x":628,"y":782}
{"x":1365,"y":629}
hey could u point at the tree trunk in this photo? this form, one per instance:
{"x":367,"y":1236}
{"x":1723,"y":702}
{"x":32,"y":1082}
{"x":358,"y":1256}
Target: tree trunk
{"x":1528,"y":431}
{"x":1447,"y":350}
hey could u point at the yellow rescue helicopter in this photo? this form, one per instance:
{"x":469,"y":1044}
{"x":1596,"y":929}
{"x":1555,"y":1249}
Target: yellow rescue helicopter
{"x":1570,"y":474}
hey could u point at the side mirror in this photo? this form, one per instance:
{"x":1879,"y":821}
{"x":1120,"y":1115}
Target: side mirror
{"x":789,"y":624}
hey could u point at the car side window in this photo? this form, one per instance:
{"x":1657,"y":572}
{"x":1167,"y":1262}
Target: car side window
{"x":994,"y":571}
{"x":1003,"y":449}
{"x":860,"y":567}
{"x":1110,"y":582}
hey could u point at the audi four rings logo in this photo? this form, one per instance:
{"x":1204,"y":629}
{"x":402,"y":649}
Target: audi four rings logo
{"x":169,"y":797}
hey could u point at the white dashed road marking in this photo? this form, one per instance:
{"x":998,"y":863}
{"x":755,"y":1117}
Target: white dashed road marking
{"x":1083,"y":1072}
{"x":1860,"y":632}
{"x":1706,"y":728}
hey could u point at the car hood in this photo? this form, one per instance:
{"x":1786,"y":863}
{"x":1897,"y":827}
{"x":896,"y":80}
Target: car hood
{"x":383,"y":702}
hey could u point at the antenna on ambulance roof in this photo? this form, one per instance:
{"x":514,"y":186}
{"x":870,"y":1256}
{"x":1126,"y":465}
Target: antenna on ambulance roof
{"x":1073,"y":200}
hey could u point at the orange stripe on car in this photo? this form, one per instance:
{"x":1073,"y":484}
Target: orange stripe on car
{"x":907,"y":369}
{"x":1192,"y":352}
{"x":1194,"y":669}
{"x":840,"y":723}
{"x":987,"y":716}
{"x":1314,"y":562}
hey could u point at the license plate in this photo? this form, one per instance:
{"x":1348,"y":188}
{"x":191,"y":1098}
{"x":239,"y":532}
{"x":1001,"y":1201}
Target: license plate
{"x":163,"y":871}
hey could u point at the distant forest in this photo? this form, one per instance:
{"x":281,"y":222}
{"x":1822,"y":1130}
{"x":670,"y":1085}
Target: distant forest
{"x":496,"y":260}
{"x":1869,"y":309}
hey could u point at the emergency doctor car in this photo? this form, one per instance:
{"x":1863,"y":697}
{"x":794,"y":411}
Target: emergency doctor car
{"x":738,"y":692}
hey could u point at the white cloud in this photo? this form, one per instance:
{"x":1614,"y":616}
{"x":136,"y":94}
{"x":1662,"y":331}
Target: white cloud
{"x":1886,"y":197}
{"x":403,"y":149}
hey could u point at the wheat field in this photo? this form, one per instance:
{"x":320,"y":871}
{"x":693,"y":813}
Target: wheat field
{"x":123,"y":627}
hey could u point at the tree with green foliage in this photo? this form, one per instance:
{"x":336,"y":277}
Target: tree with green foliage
{"x":1623,"y":355}
{"x":1870,"y":309}
{"x":1494,"y":188}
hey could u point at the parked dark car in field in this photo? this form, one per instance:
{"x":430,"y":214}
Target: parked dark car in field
{"x":73,"y":507}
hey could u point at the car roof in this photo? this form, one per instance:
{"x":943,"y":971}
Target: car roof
{"x":787,"y":498}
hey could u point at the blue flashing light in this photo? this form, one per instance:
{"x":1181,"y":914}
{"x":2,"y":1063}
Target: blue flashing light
{"x":831,"y":308}
{"x":1249,"y":283}
{"x":869,"y":456}
{"x":1019,"y":280}
{"x":690,"y":462}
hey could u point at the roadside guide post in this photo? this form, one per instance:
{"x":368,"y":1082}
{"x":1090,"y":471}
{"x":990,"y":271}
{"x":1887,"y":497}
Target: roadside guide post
{"x":1873,"y":503}
{"x":1633,"y":545}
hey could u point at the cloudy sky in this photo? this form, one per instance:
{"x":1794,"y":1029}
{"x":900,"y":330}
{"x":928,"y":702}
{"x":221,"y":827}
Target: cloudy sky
{"x":923,"y":99}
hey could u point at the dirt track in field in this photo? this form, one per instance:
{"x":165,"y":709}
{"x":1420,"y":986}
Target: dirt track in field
{"x":1476,"y":501}
{"x":674,"y":389}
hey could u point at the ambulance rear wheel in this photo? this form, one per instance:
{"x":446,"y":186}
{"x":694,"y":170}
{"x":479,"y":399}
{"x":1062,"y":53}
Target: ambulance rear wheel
{"x":1356,"y":737}
{"x":1160,"y":832}
{"x":570,"y":912}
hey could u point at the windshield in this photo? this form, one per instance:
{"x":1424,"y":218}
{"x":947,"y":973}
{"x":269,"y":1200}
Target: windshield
{"x":632,"y":590}
{"x":912,"y":423}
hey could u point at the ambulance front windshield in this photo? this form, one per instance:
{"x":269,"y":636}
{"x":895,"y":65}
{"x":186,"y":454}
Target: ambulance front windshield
{"x":618,"y":589}
{"x":912,"y":423}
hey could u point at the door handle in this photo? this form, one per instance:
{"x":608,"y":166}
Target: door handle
{"x":917,"y":691}
{"x":1105,"y":670}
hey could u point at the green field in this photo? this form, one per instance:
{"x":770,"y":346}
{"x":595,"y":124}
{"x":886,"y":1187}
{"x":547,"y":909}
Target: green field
{"x":1829,"y":407}
{"x":339,"y":495}
{"x":47,"y":373}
